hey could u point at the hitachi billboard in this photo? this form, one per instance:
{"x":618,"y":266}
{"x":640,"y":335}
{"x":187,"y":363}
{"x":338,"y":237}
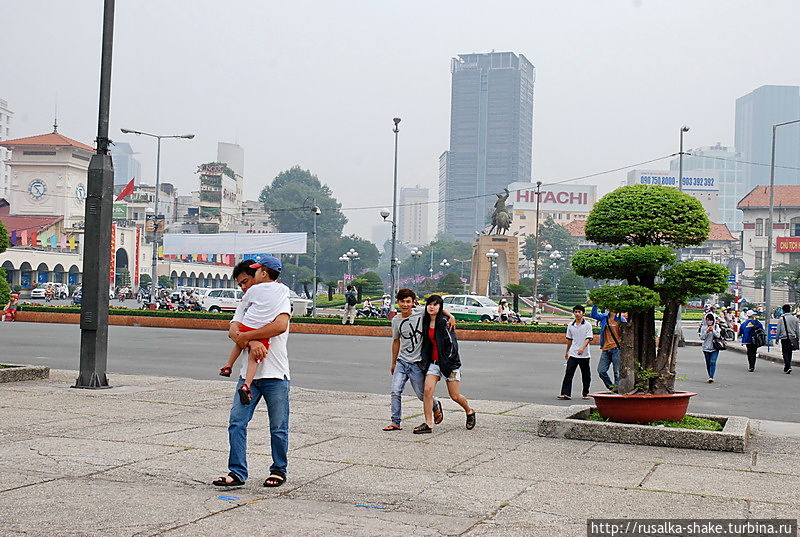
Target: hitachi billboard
{"x":565,"y":198}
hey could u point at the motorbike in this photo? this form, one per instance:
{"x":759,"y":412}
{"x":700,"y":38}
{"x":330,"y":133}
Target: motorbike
{"x":369,"y":313}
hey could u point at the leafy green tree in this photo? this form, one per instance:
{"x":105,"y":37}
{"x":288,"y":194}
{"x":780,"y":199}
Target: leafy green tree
{"x":165,"y":281}
{"x":451,"y":284}
{"x":372,"y":285}
{"x":553,"y":234}
{"x":145,"y":280}
{"x":5,"y":292}
{"x":643,"y":224}
{"x":571,"y":289}
{"x":329,"y":252}
{"x":516,"y":290}
{"x":782,"y":275}
{"x":331,"y":285}
{"x":546,"y":288}
{"x":288,"y":200}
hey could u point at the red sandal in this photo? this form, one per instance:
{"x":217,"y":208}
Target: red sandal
{"x":245,"y":395}
{"x":225,"y":371}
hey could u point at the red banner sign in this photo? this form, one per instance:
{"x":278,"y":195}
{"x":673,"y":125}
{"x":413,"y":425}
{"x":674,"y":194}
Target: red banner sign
{"x":113,"y":264}
{"x":138,"y":255}
{"x":788,"y":244}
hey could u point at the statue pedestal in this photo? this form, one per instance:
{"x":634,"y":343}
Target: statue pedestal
{"x":507,"y":262}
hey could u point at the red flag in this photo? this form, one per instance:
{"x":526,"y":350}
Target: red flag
{"x":127,"y":191}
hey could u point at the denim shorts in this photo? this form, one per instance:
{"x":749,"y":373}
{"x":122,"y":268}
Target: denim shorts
{"x":433,"y":369}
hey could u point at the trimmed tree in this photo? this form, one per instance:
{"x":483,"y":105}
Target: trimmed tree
{"x":643,"y":224}
{"x":516,"y":290}
{"x":5,"y":292}
{"x":571,"y":289}
{"x":332,"y":285}
{"x":451,"y":284}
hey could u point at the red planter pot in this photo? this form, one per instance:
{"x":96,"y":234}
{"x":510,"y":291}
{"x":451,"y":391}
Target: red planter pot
{"x":642,"y":408}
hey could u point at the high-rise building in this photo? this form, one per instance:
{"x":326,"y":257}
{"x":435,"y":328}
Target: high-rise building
{"x":5,"y":154}
{"x":756,"y":113}
{"x":126,"y":166}
{"x":491,"y":137}
{"x":412,"y":225}
{"x":724,"y":163}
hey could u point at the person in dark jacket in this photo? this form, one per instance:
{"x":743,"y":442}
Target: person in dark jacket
{"x":746,"y":330}
{"x":440,"y":360}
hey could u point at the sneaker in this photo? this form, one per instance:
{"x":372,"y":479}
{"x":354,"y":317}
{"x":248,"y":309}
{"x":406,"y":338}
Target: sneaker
{"x":751,"y":369}
{"x":789,"y":371}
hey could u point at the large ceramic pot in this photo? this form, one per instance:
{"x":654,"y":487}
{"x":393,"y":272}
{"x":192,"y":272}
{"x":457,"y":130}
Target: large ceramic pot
{"x":642,"y":408}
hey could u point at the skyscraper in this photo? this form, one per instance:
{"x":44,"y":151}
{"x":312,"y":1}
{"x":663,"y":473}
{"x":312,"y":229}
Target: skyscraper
{"x":756,"y":113}
{"x":413,"y":216}
{"x":491,"y":137}
{"x":126,"y":166}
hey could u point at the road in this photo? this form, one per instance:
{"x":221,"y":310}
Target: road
{"x":492,"y":370}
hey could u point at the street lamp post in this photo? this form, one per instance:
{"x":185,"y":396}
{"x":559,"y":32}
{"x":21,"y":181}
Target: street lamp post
{"x":679,"y":320}
{"x":97,"y":236}
{"x":768,"y":274}
{"x":416,"y":253}
{"x":536,"y":256}
{"x":393,"y":262}
{"x":159,"y":137}
{"x":680,"y":159}
{"x":491,"y":256}
{"x":314,"y":212}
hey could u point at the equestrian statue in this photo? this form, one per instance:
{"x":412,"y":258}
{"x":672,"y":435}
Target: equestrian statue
{"x":501,"y":217}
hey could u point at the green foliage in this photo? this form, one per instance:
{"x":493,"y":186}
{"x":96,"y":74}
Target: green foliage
{"x":124,"y":277}
{"x":782,"y":274}
{"x":291,"y":191}
{"x":451,"y":284}
{"x":643,"y":215}
{"x":571,"y":289}
{"x":164,"y":281}
{"x":145,"y":280}
{"x":688,"y":422}
{"x":624,"y":298}
{"x":516,"y":289}
{"x":553,"y":234}
{"x":546,"y":288}
{"x":4,"y":240}
{"x":372,"y":285}
{"x":692,"y":278}
{"x":328,"y":264}
{"x":626,"y":263}
{"x":643,"y":378}
{"x":5,"y":292}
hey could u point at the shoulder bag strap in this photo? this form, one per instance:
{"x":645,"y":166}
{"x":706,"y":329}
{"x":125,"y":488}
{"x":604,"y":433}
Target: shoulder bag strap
{"x":610,"y":331}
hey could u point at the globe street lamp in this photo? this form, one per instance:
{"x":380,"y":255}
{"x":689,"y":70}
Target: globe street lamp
{"x":159,"y":137}
{"x":491,"y":256}
{"x":393,"y":264}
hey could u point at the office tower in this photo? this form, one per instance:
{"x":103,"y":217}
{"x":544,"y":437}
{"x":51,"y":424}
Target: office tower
{"x":412,"y":225}
{"x":126,"y":166}
{"x":491,"y":137}
{"x":5,"y":154}
{"x":756,"y":113}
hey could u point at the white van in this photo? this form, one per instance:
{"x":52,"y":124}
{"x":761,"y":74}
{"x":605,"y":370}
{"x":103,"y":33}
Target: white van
{"x":471,"y":307}
{"x":218,"y":300}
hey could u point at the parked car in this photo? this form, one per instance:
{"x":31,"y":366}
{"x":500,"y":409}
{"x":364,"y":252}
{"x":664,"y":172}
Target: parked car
{"x":300,"y":305}
{"x":218,"y":300}
{"x":471,"y":307}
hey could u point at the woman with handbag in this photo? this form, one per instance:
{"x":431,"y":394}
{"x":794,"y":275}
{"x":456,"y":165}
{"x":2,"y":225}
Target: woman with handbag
{"x":710,"y":336}
{"x":753,"y":335}
{"x":788,"y":335}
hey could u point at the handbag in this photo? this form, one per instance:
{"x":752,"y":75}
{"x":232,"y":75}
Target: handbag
{"x":793,"y":342}
{"x":719,"y":344}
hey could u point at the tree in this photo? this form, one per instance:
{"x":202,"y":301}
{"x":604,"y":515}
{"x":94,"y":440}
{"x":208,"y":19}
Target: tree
{"x":553,"y":234}
{"x":546,"y":288}
{"x":782,"y":274}
{"x":124,"y":277}
{"x":288,"y":200}
{"x":451,"y":284}
{"x":164,"y":281}
{"x":516,"y":290}
{"x":332,"y":285}
{"x":145,"y":280}
{"x":571,"y":289}
{"x":5,"y":292}
{"x":328,"y":264}
{"x":305,"y":283}
{"x":643,"y":224}
{"x":372,"y":284}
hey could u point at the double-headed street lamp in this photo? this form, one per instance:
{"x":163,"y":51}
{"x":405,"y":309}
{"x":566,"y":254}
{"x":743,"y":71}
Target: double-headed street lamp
{"x":393,"y":259}
{"x":768,"y":275}
{"x":159,"y":137}
{"x":445,"y":264}
{"x":416,"y":254}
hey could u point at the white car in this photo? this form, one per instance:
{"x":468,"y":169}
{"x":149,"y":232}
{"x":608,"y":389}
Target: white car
{"x":59,"y":290}
{"x":38,"y":292}
{"x":300,"y":305}
{"x":218,"y":300}
{"x":471,"y":307}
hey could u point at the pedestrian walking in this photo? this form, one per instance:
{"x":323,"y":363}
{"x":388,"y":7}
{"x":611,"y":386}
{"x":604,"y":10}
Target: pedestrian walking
{"x":10,"y":310}
{"x":271,"y":381}
{"x":610,"y":337}
{"x":788,"y":335}
{"x":440,"y":360}
{"x":579,"y":337}
{"x":350,"y":301}
{"x":711,"y":337}
{"x":753,"y":336}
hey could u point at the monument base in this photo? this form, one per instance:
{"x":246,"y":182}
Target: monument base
{"x":507,"y":262}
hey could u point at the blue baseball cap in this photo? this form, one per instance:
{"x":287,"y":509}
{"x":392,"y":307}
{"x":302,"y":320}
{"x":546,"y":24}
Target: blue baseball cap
{"x":269,"y":262}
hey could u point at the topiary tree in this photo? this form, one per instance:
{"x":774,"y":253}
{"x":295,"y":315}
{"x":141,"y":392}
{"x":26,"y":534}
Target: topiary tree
{"x":571,"y":289}
{"x":516,"y":290}
{"x":451,"y":284}
{"x":331,"y":284}
{"x":644,"y":224}
{"x":546,"y":288}
{"x":164,"y":281}
{"x":5,"y":292}
{"x":372,"y":284}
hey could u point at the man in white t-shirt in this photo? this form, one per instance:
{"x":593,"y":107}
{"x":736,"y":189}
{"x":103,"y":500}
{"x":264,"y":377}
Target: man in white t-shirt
{"x":579,"y":337}
{"x":271,"y":380}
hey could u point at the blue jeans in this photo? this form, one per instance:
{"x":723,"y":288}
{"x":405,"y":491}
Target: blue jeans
{"x":609,"y":358}
{"x":276,"y":395}
{"x":403,"y":372}
{"x":711,"y":362}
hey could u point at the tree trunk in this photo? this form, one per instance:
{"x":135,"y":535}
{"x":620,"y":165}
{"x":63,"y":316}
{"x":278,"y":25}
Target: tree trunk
{"x":667,"y":343}
{"x":647,"y":345}
{"x":516,"y":302}
{"x":305,"y":291}
{"x":628,"y":355}
{"x":330,"y":294}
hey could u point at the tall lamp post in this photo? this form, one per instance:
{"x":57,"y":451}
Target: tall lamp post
{"x":491,"y":256}
{"x":393,"y":261}
{"x":315,"y":212}
{"x":679,"y":321}
{"x":416,"y":253}
{"x":768,"y":275}
{"x":536,"y":255}
{"x":159,"y":137}
{"x":97,"y":237}
{"x":348,"y":257}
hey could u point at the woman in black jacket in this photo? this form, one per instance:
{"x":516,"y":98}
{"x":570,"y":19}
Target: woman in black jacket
{"x":440,"y":360}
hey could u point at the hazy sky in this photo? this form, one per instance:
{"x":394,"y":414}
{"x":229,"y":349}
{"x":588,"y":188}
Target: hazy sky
{"x":317,"y":83}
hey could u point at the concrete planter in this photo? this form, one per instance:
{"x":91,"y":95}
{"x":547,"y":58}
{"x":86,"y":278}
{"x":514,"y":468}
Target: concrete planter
{"x":571,"y":422}
{"x":18,"y":372}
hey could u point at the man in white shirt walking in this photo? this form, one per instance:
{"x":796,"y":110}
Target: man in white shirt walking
{"x":271,"y":381}
{"x":579,"y":336}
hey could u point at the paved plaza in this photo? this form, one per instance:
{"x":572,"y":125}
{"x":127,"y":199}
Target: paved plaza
{"x":137,"y":459}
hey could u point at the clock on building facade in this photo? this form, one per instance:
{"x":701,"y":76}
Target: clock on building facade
{"x":37,"y":189}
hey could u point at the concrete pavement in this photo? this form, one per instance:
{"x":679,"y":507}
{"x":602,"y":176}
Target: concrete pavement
{"x":137,"y":460}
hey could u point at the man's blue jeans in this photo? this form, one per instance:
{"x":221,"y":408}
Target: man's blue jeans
{"x":275,"y":393}
{"x":403,"y":371}
{"x":609,"y":358}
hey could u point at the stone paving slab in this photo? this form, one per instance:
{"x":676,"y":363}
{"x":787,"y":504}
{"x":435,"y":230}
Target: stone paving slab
{"x":138,"y":460}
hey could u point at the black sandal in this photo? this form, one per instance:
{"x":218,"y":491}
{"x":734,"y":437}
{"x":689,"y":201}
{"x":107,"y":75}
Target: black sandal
{"x":422,"y":429}
{"x":245,"y":395}
{"x":438,"y":413}
{"x":225,"y":371}
{"x":223,"y":481}
{"x":275,"y":479}
{"x":471,"y":420}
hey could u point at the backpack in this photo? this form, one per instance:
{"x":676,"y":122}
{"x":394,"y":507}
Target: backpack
{"x":758,"y":337}
{"x":351,"y":298}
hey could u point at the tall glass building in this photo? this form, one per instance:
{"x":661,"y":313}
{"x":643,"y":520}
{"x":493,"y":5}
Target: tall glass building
{"x":126,"y":166}
{"x":756,"y":113}
{"x":732,"y":188}
{"x":491,"y":137}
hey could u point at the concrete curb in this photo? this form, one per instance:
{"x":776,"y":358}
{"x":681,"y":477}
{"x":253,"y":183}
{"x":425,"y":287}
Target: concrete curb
{"x":769,"y":356}
{"x":570,"y":423}
{"x":19,"y":372}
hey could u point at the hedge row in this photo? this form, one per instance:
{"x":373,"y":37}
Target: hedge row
{"x":498,"y":327}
